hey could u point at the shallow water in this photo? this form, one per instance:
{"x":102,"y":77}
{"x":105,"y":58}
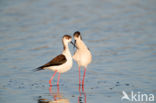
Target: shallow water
{"x":120,"y":34}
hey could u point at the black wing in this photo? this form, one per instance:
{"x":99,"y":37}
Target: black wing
{"x":60,"y":59}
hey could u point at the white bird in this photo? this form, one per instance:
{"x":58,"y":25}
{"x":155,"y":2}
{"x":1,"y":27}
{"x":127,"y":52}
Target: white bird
{"x":60,"y":63}
{"x":82,"y":56}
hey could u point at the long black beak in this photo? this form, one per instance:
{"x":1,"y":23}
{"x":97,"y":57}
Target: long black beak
{"x":73,"y":44}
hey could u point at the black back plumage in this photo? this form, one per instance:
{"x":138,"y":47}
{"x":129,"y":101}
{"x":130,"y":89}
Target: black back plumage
{"x":58,"y":60}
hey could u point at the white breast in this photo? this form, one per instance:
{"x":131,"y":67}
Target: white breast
{"x":82,"y":55}
{"x":63,"y":67}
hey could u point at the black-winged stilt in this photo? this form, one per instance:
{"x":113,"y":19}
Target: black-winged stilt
{"x":82,"y":55}
{"x":60,"y":63}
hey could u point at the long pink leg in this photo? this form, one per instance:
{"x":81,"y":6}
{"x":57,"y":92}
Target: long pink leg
{"x":79,"y":76}
{"x":84,"y":76}
{"x":58,"y":78}
{"x":52,"y":78}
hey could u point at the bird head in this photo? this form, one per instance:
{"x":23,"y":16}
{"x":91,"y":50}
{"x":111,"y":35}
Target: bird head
{"x":68,"y":39}
{"x":77,"y":35}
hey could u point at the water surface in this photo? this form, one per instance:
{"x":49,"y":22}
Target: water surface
{"x":120,"y":34}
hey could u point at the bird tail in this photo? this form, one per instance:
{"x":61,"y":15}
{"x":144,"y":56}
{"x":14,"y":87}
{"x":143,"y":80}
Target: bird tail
{"x":38,"y":69}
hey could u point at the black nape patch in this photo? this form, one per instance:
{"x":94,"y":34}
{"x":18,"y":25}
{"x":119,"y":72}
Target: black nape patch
{"x":77,"y":34}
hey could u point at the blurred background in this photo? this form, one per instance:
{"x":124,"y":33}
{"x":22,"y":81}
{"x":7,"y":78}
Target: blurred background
{"x":121,"y":35}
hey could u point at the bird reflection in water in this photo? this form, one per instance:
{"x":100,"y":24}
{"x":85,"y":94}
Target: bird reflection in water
{"x":82,"y":95}
{"x":57,"y":97}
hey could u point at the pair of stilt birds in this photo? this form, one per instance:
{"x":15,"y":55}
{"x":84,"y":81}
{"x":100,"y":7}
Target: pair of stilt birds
{"x":63,"y":62}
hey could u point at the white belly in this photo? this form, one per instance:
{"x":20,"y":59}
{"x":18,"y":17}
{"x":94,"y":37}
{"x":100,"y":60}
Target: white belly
{"x":64,"y":67}
{"x":82,"y":57}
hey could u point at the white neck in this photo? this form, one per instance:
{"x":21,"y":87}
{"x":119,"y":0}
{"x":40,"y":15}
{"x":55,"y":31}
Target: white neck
{"x":80,"y":44}
{"x":66,"y":48}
